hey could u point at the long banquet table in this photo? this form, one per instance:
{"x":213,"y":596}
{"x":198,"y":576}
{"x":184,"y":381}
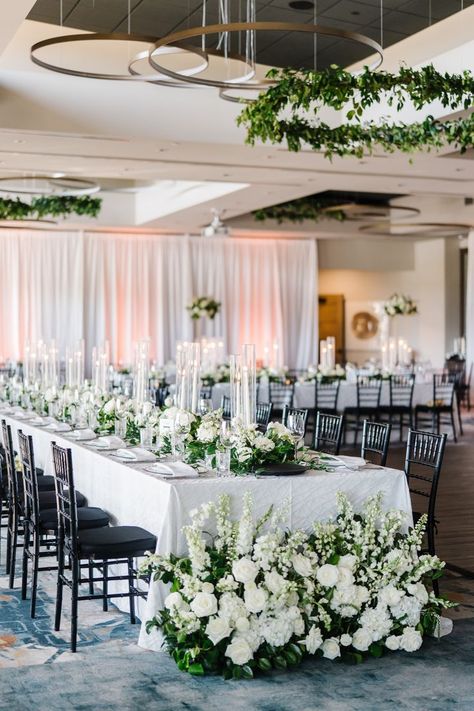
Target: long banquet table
{"x":134,"y":496}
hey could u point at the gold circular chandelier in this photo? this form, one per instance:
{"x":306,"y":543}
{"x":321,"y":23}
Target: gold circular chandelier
{"x":364,"y":212}
{"x":412,"y":229}
{"x":59,"y":185}
{"x":220,"y":54}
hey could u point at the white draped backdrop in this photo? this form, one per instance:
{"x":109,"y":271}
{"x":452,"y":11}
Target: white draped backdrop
{"x":127,"y":287}
{"x":470,"y":302}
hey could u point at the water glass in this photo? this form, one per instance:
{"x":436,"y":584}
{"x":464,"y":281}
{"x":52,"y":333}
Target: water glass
{"x":209,"y":462}
{"x":146,"y":437}
{"x":121,"y":427}
{"x":223,"y":463}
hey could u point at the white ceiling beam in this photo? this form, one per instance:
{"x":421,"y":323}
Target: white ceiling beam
{"x":13,"y":14}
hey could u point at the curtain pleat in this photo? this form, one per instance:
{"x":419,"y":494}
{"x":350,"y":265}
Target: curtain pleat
{"x":126,"y":287}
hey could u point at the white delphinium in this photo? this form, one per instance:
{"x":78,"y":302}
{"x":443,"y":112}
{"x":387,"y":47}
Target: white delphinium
{"x":246,"y":529}
{"x":224,"y":525}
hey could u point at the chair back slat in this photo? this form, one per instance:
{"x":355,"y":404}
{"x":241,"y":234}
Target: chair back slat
{"x":443,"y":389}
{"x":14,"y":494}
{"x":65,"y":494}
{"x":401,"y":390}
{"x":368,"y":391}
{"x":30,"y":479}
{"x":206,"y":392}
{"x":225,"y":407}
{"x":423,"y":461}
{"x":161,"y":393}
{"x":263,"y":414}
{"x":281,"y":394}
{"x":326,"y":394}
{"x":375,"y":441}
{"x":328,"y":433}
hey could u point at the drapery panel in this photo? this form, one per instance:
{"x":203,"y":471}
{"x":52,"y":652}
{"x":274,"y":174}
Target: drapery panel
{"x":127,"y":287}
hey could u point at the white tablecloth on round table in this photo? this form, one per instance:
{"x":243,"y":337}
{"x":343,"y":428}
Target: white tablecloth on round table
{"x":305,"y":394}
{"x":135,"y":497}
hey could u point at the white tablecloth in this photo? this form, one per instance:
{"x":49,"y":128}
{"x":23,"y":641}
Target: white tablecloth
{"x":135,"y":497}
{"x":304,"y":394}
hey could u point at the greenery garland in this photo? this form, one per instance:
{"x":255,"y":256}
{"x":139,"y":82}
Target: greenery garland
{"x":49,"y":206}
{"x":289,"y":110}
{"x":305,"y":208}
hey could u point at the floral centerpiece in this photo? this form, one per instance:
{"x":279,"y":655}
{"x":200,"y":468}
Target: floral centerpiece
{"x":220,"y":374}
{"x":203,"y":306}
{"x":257,"y":597}
{"x":322,"y":374}
{"x":274,"y":375}
{"x":399,"y":304}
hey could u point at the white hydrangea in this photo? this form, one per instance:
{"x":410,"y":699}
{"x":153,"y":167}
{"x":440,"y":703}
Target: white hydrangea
{"x":264,"y":444}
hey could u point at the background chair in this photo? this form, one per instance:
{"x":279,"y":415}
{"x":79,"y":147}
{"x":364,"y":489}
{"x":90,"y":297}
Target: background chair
{"x":263,"y":415}
{"x":161,"y":393}
{"x":296,"y":412}
{"x":423,"y":461}
{"x":440,"y":411}
{"x":225,"y":407}
{"x":326,"y":393}
{"x":368,"y":404}
{"x":281,"y":395}
{"x":400,"y":409}
{"x":375,"y":442}
{"x":328,"y":433}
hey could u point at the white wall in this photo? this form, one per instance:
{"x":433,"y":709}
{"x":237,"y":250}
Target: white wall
{"x":427,"y":271}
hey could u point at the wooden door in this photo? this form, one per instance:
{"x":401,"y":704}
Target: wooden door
{"x":331,"y":322}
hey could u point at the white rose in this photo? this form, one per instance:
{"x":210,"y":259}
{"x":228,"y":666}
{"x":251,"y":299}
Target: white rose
{"x":147,"y":408}
{"x":242,"y":624}
{"x":239,"y":651}
{"x":280,"y":429}
{"x":313,"y":640}
{"x":205,"y":433}
{"x":391,"y":595}
{"x":244,"y":570}
{"x":410,"y":640}
{"x":346,"y":578}
{"x":174,"y":601}
{"x":419,"y":591}
{"x":204,"y":604}
{"x":362,"y":639}
{"x":244,"y":454}
{"x":331,"y":648}
{"x":347,"y":561}
{"x":264,"y":444}
{"x":184,"y":419}
{"x":362,"y":594}
{"x":393,"y":642}
{"x":217,"y":629}
{"x":208,"y":587}
{"x":274,"y":582}
{"x":345,"y":640}
{"x":302,"y":565}
{"x":255,"y":599}
{"x":328,"y":575}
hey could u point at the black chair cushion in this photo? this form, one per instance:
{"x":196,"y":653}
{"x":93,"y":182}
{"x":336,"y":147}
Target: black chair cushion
{"x":116,"y":542}
{"x":45,"y":483}
{"x":87,"y":517}
{"x":47,"y":499}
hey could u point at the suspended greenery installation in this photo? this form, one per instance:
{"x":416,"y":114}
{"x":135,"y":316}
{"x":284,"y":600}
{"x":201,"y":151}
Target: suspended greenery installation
{"x":49,"y":207}
{"x":290,"y":110}
{"x":305,"y":208}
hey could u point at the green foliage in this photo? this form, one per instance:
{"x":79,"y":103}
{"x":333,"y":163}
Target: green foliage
{"x":306,"y":208}
{"x":49,"y":206}
{"x":289,"y":110}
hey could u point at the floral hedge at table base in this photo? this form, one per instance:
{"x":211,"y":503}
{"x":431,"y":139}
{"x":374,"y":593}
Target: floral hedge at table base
{"x":259,"y":597}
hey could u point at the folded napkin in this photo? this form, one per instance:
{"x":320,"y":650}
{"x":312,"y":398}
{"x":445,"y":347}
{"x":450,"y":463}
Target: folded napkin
{"x":42,"y":421}
{"x":136,"y":454}
{"x":109,"y":442}
{"x":352,"y":462}
{"x":59,"y":427}
{"x":176,"y":469}
{"x":83,"y":435}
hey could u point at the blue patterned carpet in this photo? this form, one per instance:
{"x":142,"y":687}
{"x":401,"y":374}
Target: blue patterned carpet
{"x":111,"y":672}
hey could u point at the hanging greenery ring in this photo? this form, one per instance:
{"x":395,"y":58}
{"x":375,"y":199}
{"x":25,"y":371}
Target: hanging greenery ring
{"x":48,"y":207}
{"x":288,"y":111}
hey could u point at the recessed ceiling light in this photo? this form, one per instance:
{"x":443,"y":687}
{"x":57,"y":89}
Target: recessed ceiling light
{"x":301,"y":5}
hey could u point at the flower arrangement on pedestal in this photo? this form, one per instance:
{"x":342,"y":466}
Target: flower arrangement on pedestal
{"x":261,"y":597}
{"x":203,"y":306}
{"x":399,"y":304}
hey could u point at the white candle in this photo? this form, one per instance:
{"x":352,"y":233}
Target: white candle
{"x":182,"y":394}
{"x":246,"y":395}
{"x":194,"y":397}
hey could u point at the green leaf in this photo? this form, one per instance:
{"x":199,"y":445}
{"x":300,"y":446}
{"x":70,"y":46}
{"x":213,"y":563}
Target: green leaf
{"x":196,"y":669}
{"x":264,"y":664}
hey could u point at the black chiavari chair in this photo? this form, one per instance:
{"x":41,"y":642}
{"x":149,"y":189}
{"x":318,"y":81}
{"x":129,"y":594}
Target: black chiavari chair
{"x":400,"y":409}
{"x":263,"y":415}
{"x":100,"y":547}
{"x":328,"y":433}
{"x":40,"y":524}
{"x":161,"y":393}
{"x":440,"y":411}
{"x":375,"y":442}
{"x":423,"y":462}
{"x":326,"y":393}
{"x":281,"y":394}
{"x":368,"y":392}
